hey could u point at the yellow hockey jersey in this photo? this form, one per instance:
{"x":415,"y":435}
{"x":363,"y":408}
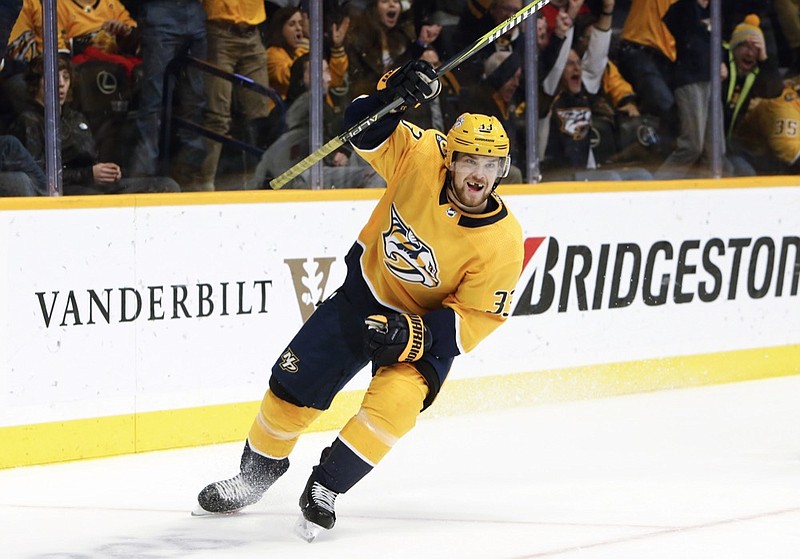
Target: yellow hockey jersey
{"x":249,"y":12}
{"x":421,"y":253}
{"x":77,"y":19}
{"x":25,"y":40}
{"x":772,"y":127}
{"x":645,"y":26}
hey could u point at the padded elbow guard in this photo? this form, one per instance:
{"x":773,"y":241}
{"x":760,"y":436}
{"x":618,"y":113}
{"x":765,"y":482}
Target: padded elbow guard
{"x":396,"y":338}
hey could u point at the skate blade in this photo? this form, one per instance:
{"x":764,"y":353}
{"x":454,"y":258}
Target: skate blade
{"x":307,"y":530}
{"x":200,"y":511}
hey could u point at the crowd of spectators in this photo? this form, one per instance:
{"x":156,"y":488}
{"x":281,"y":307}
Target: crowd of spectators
{"x":624,"y":88}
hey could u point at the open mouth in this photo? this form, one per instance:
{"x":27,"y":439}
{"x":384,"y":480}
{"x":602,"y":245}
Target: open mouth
{"x":747,"y":63}
{"x":475,"y":186}
{"x":391,"y":18}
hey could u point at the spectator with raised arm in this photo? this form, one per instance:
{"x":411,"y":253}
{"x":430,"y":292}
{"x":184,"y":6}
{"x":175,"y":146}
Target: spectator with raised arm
{"x":380,"y":38}
{"x":336,"y":24}
{"x":284,"y":37}
{"x":568,"y":150}
{"x":750,"y":73}
{"x":480,"y":17}
{"x":549,"y":12}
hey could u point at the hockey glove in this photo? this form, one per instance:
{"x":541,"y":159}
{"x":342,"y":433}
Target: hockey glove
{"x":415,"y":82}
{"x":396,"y":338}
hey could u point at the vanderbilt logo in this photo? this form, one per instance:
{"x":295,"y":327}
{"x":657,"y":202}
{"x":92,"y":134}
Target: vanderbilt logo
{"x":407,"y":256}
{"x":289,"y":361}
{"x":153,"y":303}
{"x":309,"y":278}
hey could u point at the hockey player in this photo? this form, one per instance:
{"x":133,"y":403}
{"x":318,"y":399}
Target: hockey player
{"x":430,"y":275}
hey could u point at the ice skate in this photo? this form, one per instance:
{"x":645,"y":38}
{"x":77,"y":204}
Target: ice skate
{"x":256,"y":475}
{"x":317,"y":507}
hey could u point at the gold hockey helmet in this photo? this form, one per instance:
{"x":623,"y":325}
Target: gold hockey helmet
{"x":480,"y":135}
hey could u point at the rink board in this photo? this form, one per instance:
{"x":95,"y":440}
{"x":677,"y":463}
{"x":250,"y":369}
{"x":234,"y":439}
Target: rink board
{"x":135,"y":323}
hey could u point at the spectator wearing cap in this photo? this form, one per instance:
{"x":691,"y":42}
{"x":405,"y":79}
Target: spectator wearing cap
{"x":749,"y":73}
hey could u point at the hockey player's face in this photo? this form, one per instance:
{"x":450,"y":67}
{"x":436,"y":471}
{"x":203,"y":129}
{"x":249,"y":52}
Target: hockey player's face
{"x":473,"y":178}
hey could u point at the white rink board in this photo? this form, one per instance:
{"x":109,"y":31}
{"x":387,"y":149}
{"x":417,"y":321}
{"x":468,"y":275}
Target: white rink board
{"x":162,"y":359}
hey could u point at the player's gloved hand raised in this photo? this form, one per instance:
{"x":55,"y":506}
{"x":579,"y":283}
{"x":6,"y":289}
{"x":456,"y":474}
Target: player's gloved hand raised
{"x":395,"y":338}
{"x":414,"y":82}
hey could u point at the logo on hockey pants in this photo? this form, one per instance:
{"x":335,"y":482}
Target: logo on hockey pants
{"x":289,"y":361}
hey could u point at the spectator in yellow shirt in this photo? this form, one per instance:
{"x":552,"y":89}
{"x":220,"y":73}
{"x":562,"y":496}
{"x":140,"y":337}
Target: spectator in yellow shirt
{"x":284,"y":35}
{"x":104,"y":24}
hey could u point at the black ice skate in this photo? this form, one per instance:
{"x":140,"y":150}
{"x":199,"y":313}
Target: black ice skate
{"x":316,"y":504}
{"x":257,"y":474}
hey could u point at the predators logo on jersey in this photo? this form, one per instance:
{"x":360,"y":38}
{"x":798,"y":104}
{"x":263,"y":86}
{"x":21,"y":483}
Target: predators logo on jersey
{"x":575,"y":122}
{"x":407,"y":256}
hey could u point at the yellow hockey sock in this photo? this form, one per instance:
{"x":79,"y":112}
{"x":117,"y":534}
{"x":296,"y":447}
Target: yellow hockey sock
{"x":278,"y":425}
{"x":389,"y":410}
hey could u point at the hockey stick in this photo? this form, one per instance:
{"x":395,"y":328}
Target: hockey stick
{"x":348,"y":135}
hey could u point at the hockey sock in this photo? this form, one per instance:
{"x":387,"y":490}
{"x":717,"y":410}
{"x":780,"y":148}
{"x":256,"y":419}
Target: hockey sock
{"x":340,"y":468}
{"x":389,"y":410}
{"x":278,"y":425}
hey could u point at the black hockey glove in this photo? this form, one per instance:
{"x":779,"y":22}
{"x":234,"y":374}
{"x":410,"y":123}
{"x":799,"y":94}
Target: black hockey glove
{"x":415,"y":82}
{"x":396,"y":338}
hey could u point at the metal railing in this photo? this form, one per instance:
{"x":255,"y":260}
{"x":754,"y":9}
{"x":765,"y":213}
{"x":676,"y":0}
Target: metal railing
{"x":170,"y":120}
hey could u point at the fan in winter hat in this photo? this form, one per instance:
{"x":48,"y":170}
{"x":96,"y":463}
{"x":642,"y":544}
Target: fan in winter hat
{"x":746,"y":30}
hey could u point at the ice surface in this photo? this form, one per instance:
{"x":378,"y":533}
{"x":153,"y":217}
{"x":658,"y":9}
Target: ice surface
{"x":705,"y":473}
